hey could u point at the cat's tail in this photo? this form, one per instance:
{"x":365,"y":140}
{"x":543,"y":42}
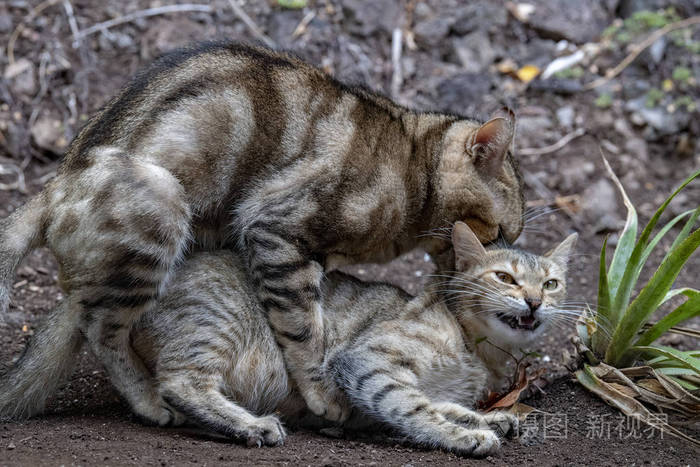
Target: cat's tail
{"x":22,"y":231}
{"x":46,"y":362}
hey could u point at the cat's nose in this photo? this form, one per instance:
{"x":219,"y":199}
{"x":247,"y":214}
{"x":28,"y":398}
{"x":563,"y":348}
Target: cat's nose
{"x":533,"y":303}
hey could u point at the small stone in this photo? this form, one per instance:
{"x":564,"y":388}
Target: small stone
{"x":432,"y":31}
{"x":565,"y":116}
{"x":657,"y":49}
{"x":599,"y":205}
{"x":11,"y":446}
{"x":637,"y":148}
{"x":474,"y":52}
{"x":48,"y":134}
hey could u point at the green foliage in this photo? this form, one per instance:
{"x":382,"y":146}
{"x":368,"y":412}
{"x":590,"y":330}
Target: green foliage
{"x":574,"y":72}
{"x":653,"y":97}
{"x":681,"y":74}
{"x":619,"y":335}
{"x":685,"y":101}
{"x":292,"y":4}
{"x":603,"y":101}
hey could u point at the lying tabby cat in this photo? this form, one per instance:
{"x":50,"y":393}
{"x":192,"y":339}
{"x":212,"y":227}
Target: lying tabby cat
{"x":224,"y":144}
{"x":411,"y":363}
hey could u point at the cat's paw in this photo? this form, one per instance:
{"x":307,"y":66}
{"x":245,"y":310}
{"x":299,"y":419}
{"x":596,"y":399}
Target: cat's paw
{"x":157,"y":412}
{"x":329,"y":403}
{"x":264,"y":431}
{"x":476,"y":443}
{"x":503,"y":423}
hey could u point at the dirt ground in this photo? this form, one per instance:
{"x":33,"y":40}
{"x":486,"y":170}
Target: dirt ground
{"x":49,"y":87}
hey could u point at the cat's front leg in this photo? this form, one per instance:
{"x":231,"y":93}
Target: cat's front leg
{"x":288,"y":286}
{"x":389,"y":393}
{"x":502,"y":422}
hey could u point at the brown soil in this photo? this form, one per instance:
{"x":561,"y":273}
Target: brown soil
{"x":86,"y":422}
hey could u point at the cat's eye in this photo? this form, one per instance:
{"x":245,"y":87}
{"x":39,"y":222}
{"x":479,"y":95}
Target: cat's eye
{"x":551,"y":284}
{"x":505,"y":278}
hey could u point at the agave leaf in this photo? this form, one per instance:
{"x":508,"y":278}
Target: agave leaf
{"x":625,"y":245}
{"x":689,"y":309}
{"x":680,"y":357}
{"x":649,"y":299}
{"x":675,"y":371}
{"x":683,"y":383}
{"x":634,"y":263}
{"x":685,"y":231}
{"x":600,"y":339}
{"x":627,"y":405}
{"x":657,"y":238}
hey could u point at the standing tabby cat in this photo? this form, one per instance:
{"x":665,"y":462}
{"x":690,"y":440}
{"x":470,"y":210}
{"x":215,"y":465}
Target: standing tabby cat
{"x":225,"y":144}
{"x":412,"y":363}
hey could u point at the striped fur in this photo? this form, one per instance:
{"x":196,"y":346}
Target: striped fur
{"x":412,"y":363}
{"x":225,"y":145}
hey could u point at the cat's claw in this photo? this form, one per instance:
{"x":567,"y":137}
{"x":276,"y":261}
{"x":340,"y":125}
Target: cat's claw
{"x":477,"y":443}
{"x":265,"y":431}
{"x":504,"y":423}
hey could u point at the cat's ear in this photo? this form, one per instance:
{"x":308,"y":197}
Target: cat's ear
{"x":468,"y":248}
{"x":490,"y":143}
{"x":560,"y":254}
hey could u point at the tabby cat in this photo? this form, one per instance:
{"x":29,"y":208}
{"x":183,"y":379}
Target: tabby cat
{"x":412,"y":363}
{"x":223,"y":144}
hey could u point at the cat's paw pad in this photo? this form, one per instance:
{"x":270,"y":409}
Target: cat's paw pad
{"x":503,"y":423}
{"x":477,"y":443}
{"x":265,"y":431}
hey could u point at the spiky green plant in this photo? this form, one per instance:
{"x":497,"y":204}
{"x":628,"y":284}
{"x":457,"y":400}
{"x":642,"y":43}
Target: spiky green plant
{"x":618,"y":338}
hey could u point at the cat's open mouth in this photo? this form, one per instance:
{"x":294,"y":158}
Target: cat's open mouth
{"x":527,"y":322}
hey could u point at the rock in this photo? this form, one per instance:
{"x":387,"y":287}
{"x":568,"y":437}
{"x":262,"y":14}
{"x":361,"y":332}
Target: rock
{"x":599,"y":206}
{"x":680,"y":204}
{"x":5,"y":23}
{"x":533,"y":125}
{"x":558,"y":19}
{"x":658,"y":120}
{"x":21,"y":77}
{"x":657,"y":49}
{"x":368,"y":18}
{"x":474,"y":52}
{"x":628,"y":7}
{"x":637,"y":148}
{"x":48,"y":134}
{"x":481,"y":15}
{"x":432,"y":31}
{"x":283,"y":24}
{"x":565,"y":116}
{"x":463,"y":93}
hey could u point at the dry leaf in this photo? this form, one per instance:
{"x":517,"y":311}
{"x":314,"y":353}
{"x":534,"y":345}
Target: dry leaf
{"x":521,"y":410}
{"x":527,"y":73}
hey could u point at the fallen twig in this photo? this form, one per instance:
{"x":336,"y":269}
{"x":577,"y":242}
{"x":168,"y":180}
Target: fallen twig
{"x":566,"y":139}
{"x":20,"y":27}
{"x":397,"y":75}
{"x":19,"y":184}
{"x":639,"y":48}
{"x":251,"y":24}
{"x":140,"y":14}
{"x":75,"y":31}
{"x":303,"y":24}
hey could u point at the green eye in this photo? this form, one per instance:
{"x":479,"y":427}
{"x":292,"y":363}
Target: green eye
{"x":551,"y":284}
{"x":505,"y":278}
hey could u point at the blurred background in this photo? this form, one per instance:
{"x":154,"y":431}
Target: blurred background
{"x":617,"y":76}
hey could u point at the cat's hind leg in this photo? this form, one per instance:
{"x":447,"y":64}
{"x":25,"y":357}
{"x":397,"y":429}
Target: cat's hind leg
{"x":204,"y":405}
{"x":118,"y":229}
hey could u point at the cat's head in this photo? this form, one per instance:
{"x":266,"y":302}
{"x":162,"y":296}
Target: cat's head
{"x":479,"y":181}
{"x":509,"y":296}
